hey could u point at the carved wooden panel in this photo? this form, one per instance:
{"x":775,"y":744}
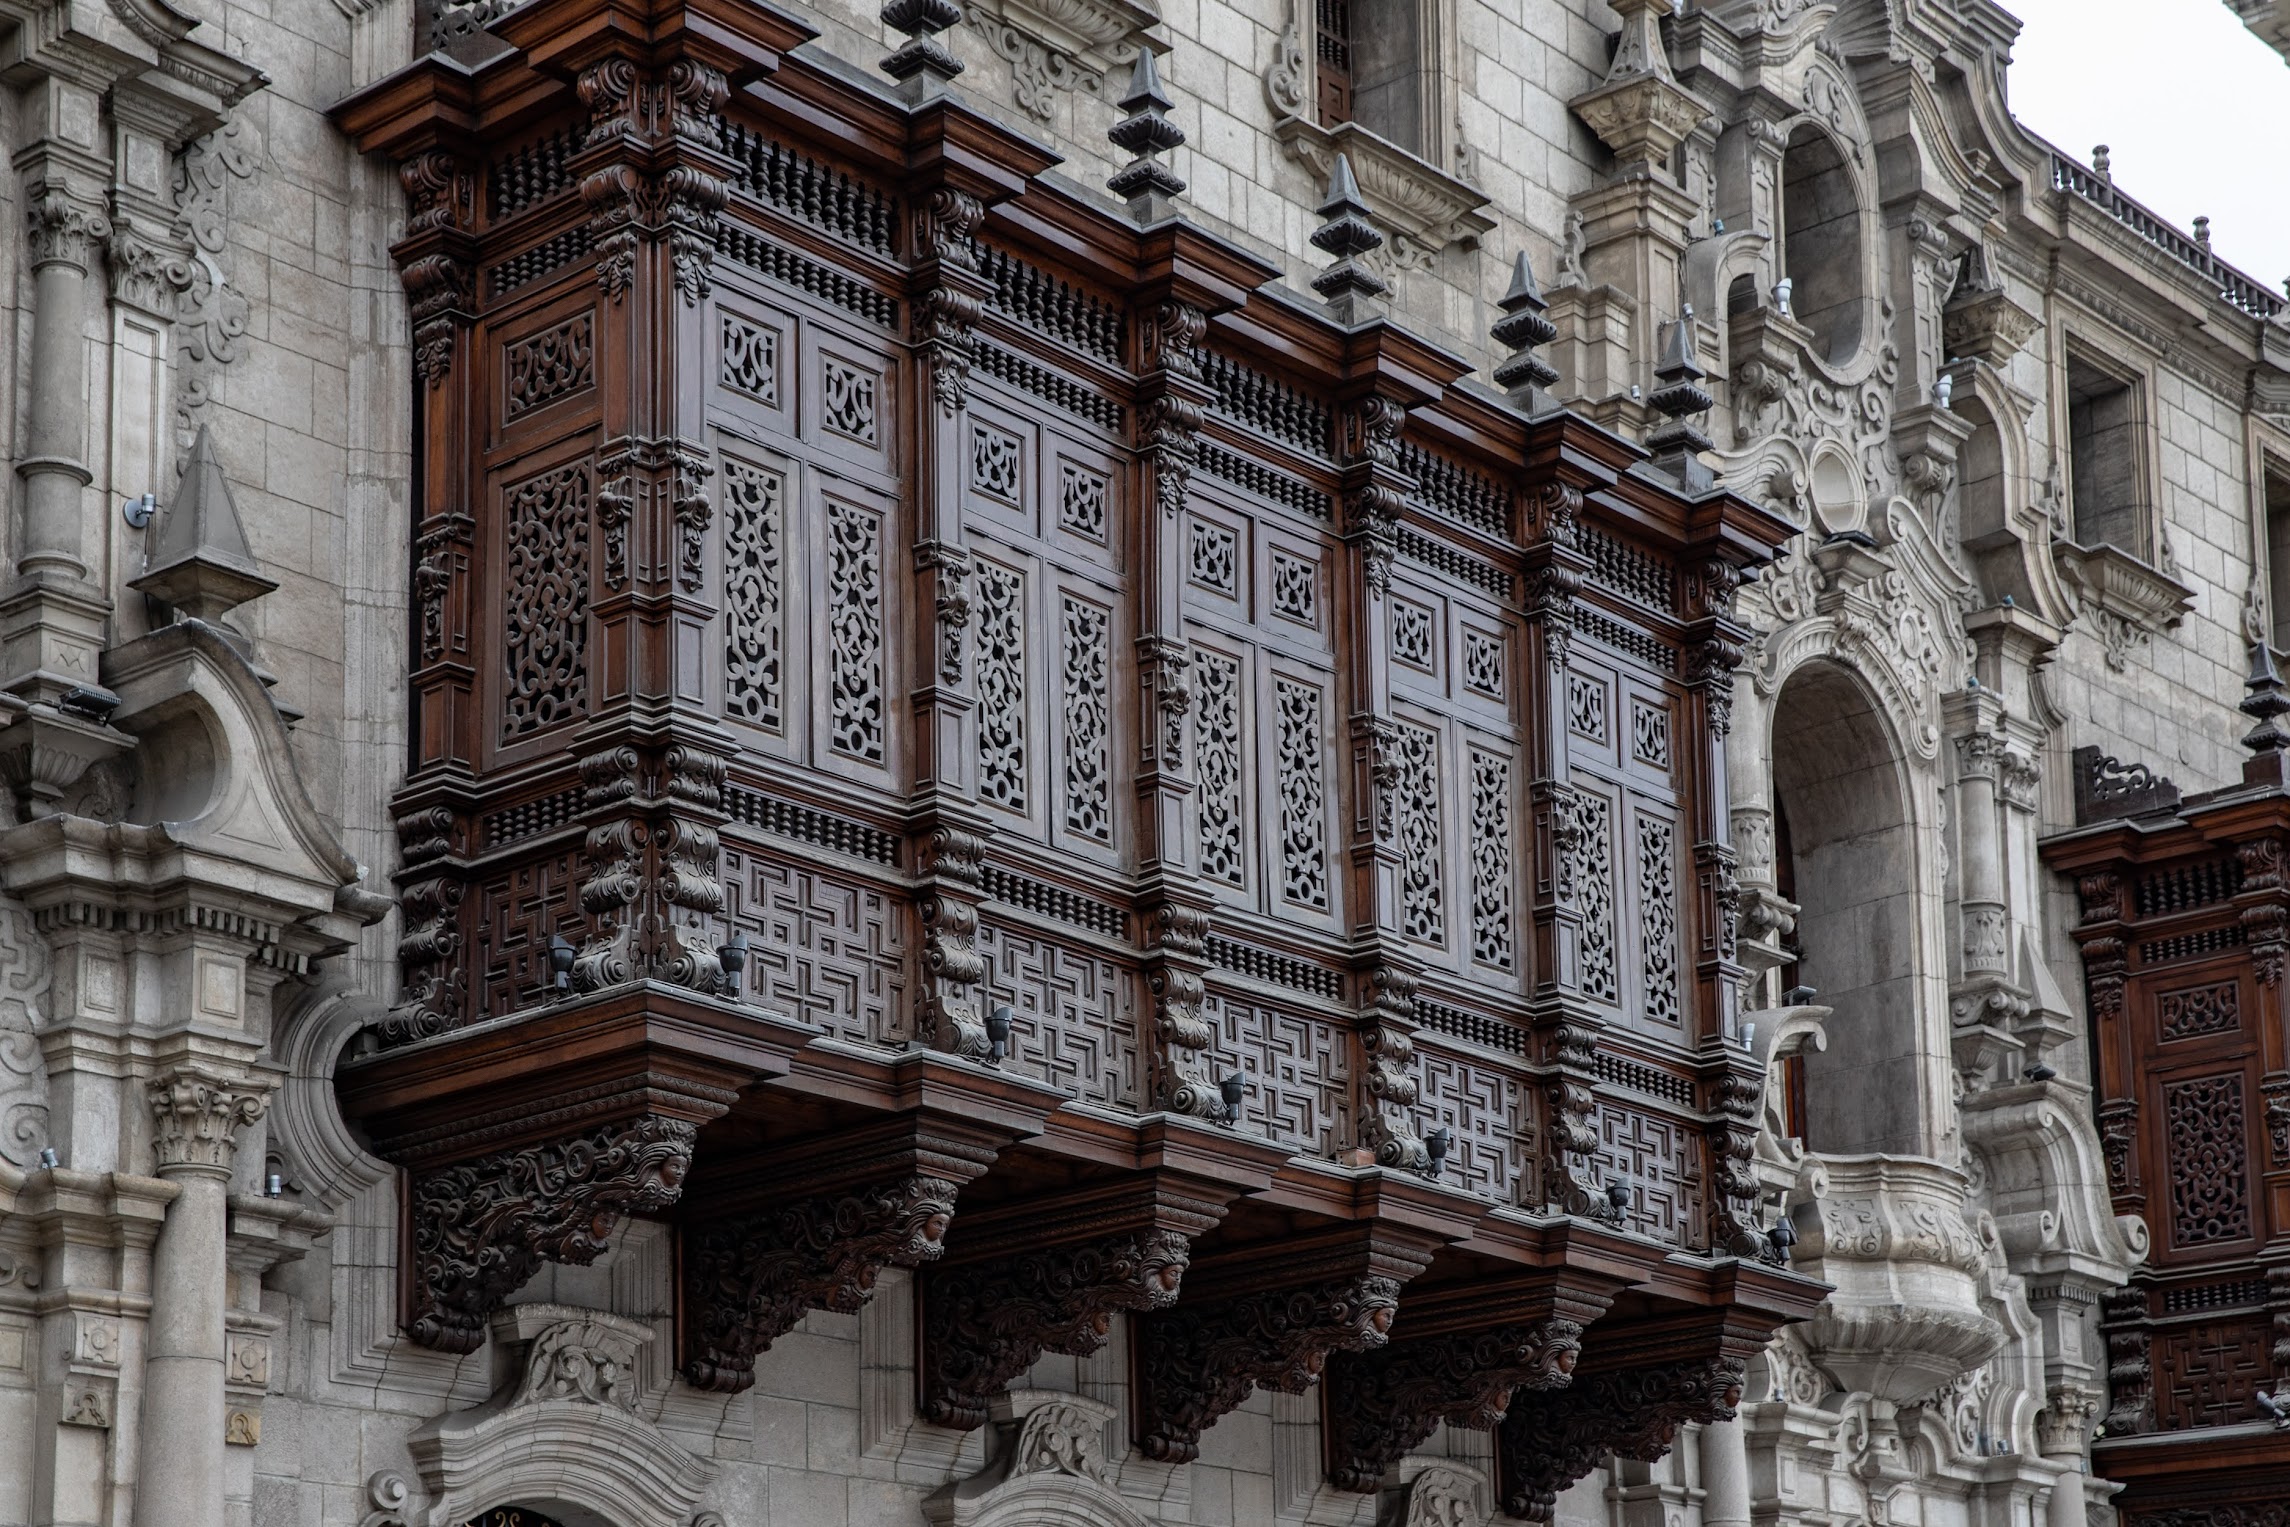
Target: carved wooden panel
{"x":2206,"y":1374}
{"x":828,"y":950}
{"x":1220,"y":764}
{"x":1594,"y":875}
{"x":1300,"y":727}
{"x":755,"y":539}
{"x":1494,"y":878}
{"x":1085,"y":682}
{"x":544,"y":617}
{"x":1423,"y":862}
{"x":515,"y":913}
{"x":1298,"y":1068}
{"x":1073,"y":1013}
{"x":2206,"y":1149}
{"x":857,"y":687}
{"x":1491,"y":1109}
{"x":2195,"y":1012}
{"x":1659,"y":1157}
{"x":549,"y":367}
{"x":1631,"y":866}
{"x":1003,"y":694}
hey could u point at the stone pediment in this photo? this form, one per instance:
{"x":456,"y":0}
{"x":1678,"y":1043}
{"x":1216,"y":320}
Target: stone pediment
{"x":1424,"y":209}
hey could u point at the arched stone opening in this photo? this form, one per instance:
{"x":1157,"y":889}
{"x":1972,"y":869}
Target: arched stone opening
{"x":1821,"y":242}
{"x":1842,"y":819}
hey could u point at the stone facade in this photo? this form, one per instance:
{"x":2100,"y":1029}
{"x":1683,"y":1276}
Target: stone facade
{"x":1947,"y":351}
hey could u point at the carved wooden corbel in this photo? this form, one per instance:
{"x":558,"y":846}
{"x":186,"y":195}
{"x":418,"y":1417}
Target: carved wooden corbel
{"x":1050,"y":1279}
{"x":1268,"y":1316}
{"x":481,"y":1228}
{"x":1457,"y":1357}
{"x":1551,"y":1439}
{"x":839,"y":1213}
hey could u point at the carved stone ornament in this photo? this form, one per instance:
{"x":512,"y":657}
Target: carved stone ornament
{"x":1059,"y":45}
{"x":1550,"y":1440}
{"x":2129,"y":600}
{"x":481,"y":1228}
{"x":1049,"y":1465}
{"x":984,"y":1323}
{"x":1272,"y":1329}
{"x":1640,"y":110}
{"x":197,"y":1112}
{"x":1425,"y":210}
{"x":1382,"y":1403}
{"x":854,"y":1208}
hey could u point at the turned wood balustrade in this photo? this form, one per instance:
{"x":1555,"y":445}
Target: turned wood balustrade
{"x":2185,"y":917}
{"x":924,"y":689}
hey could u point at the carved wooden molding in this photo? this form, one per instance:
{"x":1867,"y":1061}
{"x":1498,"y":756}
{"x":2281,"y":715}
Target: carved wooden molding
{"x":836,"y":1221}
{"x":1050,"y":1280}
{"x":1458,"y":1360}
{"x":1267,"y":1316}
{"x":1551,"y":1439}
{"x":481,"y":1228}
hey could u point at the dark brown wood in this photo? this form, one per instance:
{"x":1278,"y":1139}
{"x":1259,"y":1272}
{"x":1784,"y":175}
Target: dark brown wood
{"x":2184,"y":906}
{"x":896,"y":642}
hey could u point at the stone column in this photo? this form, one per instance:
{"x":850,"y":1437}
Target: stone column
{"x":2067,"y":1503}
{"x":1725,"y":1475}
{"x":64,"y":232}
{"x":198,"y":1109}
{"x":1982,"y":884}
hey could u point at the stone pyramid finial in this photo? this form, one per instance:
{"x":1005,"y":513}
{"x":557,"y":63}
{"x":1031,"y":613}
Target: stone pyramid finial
{"x":1144,"y":132}
{"x":1525,"y":375}
{"x":922,"y":65}
{"x":1352,"y":291}
{"x":1678,"y":443}
{"x":200,"y":563}
{"x":2265,"y":703}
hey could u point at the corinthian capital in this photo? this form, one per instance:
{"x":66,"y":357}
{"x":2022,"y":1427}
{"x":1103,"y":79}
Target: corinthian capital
{"x":197,"y":1111}
{"x":61,"y":229}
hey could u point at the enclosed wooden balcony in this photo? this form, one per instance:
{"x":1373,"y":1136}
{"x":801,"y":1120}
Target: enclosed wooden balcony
{"x":955,"y":728}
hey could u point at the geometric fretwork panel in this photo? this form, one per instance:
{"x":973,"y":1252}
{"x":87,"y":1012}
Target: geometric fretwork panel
{"x":2205,"y":1142}
{"x":1071,"y":1014}
{"x":1656,"y":1156}
{"x":517,"y":912}
{"x":1491,"y":1112}
{"x":2206,"y":1375}
{"x":1299,"y":1089}
{"x":827,"y":951}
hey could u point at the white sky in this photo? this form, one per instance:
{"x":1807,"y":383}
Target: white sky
{"x":2195,"y":109}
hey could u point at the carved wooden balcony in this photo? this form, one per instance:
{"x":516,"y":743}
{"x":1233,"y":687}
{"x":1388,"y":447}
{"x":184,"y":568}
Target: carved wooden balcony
{"x":2185,"y":919}
{"x":957,"y":731}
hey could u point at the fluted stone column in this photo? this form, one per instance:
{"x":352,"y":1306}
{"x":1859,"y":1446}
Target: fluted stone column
{"x":1725,"y":1475}
{"x":198,"y":1110}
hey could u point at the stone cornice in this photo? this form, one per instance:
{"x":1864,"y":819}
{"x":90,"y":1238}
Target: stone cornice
{"x":1424,"y":209}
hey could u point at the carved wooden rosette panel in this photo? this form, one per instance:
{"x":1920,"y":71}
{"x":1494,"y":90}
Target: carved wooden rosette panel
{"x":479,"y":1229}
{"x":1550,"y":1439}
{"x":842,"y":1211}
{"x":1268,"y":1317}
{"x":1458,"y":1359}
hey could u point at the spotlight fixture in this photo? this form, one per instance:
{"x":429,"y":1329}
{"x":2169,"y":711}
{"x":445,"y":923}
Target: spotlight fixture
{"x":2039,"y":1072}
{"x":1618,"y":1195}
{"x":733,"y":956}
{"x":998,"y":1032}
{"x":1232,"y":1089}
{"x":1436,"y":1145}
{"x":1782,"y":1235}
{"x":561,"y":953}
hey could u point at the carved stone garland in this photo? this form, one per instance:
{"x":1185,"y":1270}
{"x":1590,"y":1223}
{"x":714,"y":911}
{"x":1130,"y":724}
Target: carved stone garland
{"x":1550,"y":1440}
{"x":481,"y":1228}
{"x":985,"y":1323}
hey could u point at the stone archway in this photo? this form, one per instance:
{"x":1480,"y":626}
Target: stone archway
{"x":1839,"y":786}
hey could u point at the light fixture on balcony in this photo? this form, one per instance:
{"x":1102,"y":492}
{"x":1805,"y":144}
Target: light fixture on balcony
{"x":733,"y":956}
{"x":998,"y":1033}
{"x":2274,"y":1409}
{"x":1618,"y":1194}
{"x":1781,"y":290}
{"x":2039,"y":1072}
{"x":1436,"y":1145}
{"x":48,"y":1157}
{"x":561,"y":955}
{"x":1783,"y":1235}
{"x":1232,"y":1089}
{"x":1799,"y":996}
